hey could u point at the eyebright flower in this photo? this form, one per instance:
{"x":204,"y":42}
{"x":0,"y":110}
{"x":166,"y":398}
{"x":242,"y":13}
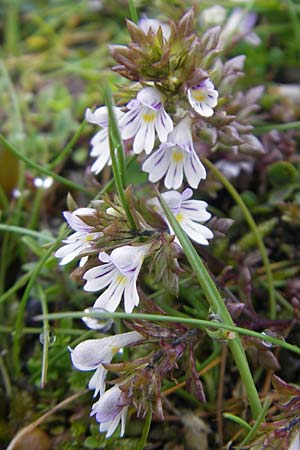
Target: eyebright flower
{"x":110,"y":409}
{"x":80,"y":241}
{"x":92,"y":353}
{"x":119,"y":274}
{"x":175,"y":157}
{"x":239,"y":26}
{"x":203,"y":98}
{"x":145,"y":115}
{"x":100,"y":142}
{"x":189,"y":213}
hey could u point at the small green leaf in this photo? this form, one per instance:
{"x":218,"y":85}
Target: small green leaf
{"x":281,"y":173}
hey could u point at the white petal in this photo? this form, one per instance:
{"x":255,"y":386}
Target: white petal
{"x":140,"y":138}
{"x":131,"y":297}
{"x":174,"y":175}
{"x":97,"y":381}
{"x":100,"y":137}
{"x":196,"y":210}
{"x":69,"y":252}
{"x":163,"y":125}
{"x":74,"y":221}
{"x":107,"y":406}
{"x":130,"y":123}
{"x":197,"y":232}
{"x":157,"y":164}
{"x":149,"y":96}
{"x":173,"y":199}
{"x":128,"y":257}
{"x":111,"y":298}
{"x":102,"y":280}
{"x":194,"y":170}
{"x":90,"y":353}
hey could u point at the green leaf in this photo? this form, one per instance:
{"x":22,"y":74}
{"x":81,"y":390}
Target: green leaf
{"x":281,"y":173}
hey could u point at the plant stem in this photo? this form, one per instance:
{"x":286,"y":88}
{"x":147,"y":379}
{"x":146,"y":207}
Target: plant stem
{"x":146,"y":430}
{"x":217,"y":305}
{"x":118,"y":165}
{"x":11,"y":27}
{"x":252,"y":225}
{"x":258,"y":421}
{"x":133,"y":11}
{"x":26,"y":232}
{"x":200,"y":323}
{"x":23,"y":302}
{"x":43,"y":301}
{"x":280,"y":127}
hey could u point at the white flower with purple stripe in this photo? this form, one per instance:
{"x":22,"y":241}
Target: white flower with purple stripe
{"x":80,"y":241}
{"x":189,"y":213}
{"x":93,"y":353}
{"x":119,"y":275}
{"x":100,"y":142}
{"x":239,"y":26}
{"x":175,"y":158}
{"x":145,"y":117}
{"x":203,"y":98}
{"x":110,"y":410}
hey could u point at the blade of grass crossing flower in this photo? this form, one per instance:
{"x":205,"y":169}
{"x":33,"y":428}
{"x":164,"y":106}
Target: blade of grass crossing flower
{"x":115,"y":136}
{"x":118,"y":165}
{"x":217,"y":305}
{"x":133,"y":11}
{"x":200,"y":323}
{"x":252,"y":225}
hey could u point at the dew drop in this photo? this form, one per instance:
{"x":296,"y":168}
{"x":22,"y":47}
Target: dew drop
{"x":49,"y":337}
{"x":97,"y":324}
{"x":272,"y":334}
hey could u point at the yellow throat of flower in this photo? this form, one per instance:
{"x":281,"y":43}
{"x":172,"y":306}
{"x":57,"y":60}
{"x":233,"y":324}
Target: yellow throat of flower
{"x":148,"y":116}
{"x":199,"y":95}
{"x":177,"y":156}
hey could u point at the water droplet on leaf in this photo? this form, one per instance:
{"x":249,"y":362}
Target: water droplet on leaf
{"x":49,"y":336}
{"x":97,"y":324}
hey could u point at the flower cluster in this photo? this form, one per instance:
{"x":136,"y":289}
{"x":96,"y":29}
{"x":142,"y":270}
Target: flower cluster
{"x":182,"y":104}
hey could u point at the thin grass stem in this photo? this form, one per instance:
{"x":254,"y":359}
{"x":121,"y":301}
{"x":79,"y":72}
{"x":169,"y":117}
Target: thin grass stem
{"x":45,"y":335}
{"x":252,"y":225}
{"x":70,"y":184}
{"x":25,"y":297}
{"x":199,"y":323}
